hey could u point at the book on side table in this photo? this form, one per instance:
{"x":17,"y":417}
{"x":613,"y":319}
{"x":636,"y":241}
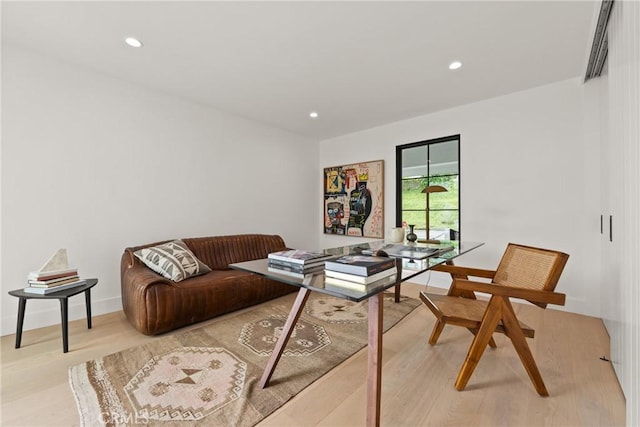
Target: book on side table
{"x":45,"y":291}
{"x":55,"y":275}
{"x":53,"y":282}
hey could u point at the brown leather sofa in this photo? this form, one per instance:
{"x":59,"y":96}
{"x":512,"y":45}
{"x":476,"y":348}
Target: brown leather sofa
{"x":155,"y":305}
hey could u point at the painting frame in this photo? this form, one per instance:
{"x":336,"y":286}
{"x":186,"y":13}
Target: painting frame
{"x":353,"y":199}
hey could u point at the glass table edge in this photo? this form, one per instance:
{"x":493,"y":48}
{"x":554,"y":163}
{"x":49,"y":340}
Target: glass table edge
{"x":314,"y":280}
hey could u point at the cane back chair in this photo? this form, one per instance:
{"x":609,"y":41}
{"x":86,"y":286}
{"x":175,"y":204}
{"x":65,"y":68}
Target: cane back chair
{"x":525,"y":273}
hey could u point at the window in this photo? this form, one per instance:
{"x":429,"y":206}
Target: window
{"x":428,"y":188}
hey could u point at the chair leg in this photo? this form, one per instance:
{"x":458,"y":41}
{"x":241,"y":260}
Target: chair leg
{"x":513,"y":331}
{"x":437,"y":330}
{"x":490,"y":320}
{"x":492,"y":342}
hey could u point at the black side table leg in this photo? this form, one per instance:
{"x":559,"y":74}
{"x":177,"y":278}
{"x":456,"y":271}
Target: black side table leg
{"x":22,"y":304}
{"x":87,"y":303}
{"x":65,"y":325}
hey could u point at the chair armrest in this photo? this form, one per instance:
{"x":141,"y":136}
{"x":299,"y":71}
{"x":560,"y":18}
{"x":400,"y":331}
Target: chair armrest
{"x":531,"y":295}
{"x":458,"y":271}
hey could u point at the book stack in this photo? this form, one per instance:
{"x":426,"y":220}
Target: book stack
{"x":54,"y":276}
{"x":296,"y":262}
{"x":360,"y":272}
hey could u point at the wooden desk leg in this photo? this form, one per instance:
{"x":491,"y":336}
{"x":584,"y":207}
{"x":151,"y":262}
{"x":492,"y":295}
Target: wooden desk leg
{"x":65,"y":324}
{"x":294,"y":315}
{"x":87,"y":303}
{"x":374,"y":366}
{"x":399,"y":279}
{"x":22,"y":304}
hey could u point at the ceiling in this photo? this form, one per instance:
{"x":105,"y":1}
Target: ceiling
{"x":358,"y":64}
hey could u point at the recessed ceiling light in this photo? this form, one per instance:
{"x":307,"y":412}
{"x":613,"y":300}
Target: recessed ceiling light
{"x":455,"y":65}
{"x":133,"y":42}
{"x":313,"y":114}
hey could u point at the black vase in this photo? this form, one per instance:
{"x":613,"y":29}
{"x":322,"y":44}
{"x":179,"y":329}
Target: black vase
{"x":411,"y":236}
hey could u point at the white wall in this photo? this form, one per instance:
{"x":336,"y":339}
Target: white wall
{"x":94,"y":165}
{"x":528,"y":175}
{"x":82,"y":155}
{"x":621,"y":199}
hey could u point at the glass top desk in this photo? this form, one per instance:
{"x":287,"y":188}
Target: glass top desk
{"x":407,"y":267}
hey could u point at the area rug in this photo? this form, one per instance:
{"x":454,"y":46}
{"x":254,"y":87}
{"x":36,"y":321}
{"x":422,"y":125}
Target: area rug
{"x":209,"y":375}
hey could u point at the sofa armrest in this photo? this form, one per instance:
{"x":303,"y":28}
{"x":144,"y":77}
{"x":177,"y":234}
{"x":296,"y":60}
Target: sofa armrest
{"x":134,"y":273}
{"x":138,"y":282}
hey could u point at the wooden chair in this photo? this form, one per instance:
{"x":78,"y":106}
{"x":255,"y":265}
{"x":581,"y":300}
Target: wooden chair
{"x":524,"y":272}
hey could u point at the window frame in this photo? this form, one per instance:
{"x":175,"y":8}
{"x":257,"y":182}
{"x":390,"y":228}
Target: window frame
{"x":400,"y":179}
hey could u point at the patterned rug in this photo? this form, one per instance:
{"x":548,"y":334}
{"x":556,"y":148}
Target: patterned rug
{"x":209,"y":375}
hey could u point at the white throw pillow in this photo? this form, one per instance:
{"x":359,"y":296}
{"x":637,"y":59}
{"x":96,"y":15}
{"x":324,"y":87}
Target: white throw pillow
{"x":172,"y":260}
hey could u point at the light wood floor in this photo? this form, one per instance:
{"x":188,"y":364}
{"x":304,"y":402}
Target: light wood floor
{"x":418,"y":379}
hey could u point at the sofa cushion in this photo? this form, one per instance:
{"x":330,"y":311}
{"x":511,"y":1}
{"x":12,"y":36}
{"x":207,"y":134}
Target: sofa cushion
{"x":172,"y":260}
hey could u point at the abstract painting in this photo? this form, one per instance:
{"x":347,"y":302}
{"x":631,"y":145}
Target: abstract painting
{"x":353,"y":199}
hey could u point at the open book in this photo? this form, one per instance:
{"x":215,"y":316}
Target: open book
{"x":414,"y":252}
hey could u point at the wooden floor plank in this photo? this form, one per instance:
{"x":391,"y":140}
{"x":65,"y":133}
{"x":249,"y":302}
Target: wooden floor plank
{"x":417,"y":378}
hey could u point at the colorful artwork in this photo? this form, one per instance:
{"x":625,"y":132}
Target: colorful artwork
{"x":353,"y":200}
